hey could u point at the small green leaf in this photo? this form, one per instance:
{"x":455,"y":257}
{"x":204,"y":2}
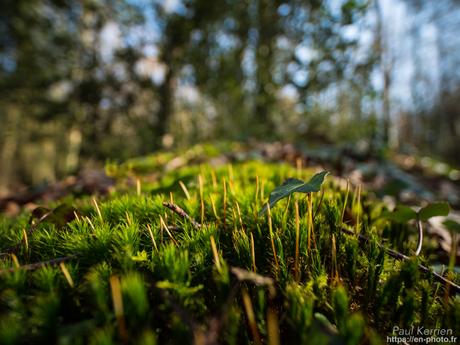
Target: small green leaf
{"x":452,"y":225}
{"x":433,"y":210}
{"x":293,"y":185}
{"x":401,"y":214}
{"x":60,"y":216}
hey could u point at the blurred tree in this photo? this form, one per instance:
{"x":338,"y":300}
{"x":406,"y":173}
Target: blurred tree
{"x":268,"y":27}
{"x":106,"y":79}
{"x":53,"y":79}
{"x":36,"y":39}
{"x":386,"y":66}
{"x":244,"y":53}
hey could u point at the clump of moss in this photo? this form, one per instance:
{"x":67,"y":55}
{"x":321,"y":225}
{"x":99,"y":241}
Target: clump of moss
{"x":133,"y":271}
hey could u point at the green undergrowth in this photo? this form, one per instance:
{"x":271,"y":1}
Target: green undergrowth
{"x":137,"y":273}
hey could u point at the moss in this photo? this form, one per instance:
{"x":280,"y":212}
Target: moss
{"x":174,"y":286}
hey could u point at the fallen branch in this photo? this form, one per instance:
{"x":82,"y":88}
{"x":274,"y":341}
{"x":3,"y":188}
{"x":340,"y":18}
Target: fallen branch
{"x":245,"y":275}
{"x":34,"y":266}
{"x":399,"y":256}
{"x":176,"y":209}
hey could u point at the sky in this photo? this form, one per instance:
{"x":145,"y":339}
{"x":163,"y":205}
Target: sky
{"x":417,"y":37}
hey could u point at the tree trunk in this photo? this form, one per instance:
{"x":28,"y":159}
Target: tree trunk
{"x":9,"y":148}
{"x":166,"y":108}
{"x":267,"y":26}
{"x":386,"y":65}
{"x":386,"y":105}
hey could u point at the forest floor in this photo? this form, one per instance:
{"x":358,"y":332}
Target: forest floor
{"x":172,"y":248}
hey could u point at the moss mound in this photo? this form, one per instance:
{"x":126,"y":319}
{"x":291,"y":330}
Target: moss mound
{"x":126,"y":269}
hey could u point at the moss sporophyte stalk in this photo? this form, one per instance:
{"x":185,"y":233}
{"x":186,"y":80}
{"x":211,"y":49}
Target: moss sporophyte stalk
{"x":185,"y":256}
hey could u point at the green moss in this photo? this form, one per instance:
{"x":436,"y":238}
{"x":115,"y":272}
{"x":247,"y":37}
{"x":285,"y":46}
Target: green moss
{"x":174,"y":286}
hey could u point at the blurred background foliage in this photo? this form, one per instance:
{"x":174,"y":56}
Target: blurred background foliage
{"x":83,"y":82}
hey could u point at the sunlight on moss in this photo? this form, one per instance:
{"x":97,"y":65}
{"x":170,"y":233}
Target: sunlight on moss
{"x":170,"y":272}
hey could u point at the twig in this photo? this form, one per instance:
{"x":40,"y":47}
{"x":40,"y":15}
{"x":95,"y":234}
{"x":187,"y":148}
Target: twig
{"x":259,"y":280}
{"x":36,"y":265}
{"x":245,"y":275}
{"x":176,"y":209}
{"x":420,"y":236}
{"x":399,"y":256}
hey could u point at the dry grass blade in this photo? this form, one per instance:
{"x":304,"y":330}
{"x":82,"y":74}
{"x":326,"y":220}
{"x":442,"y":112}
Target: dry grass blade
{"x":253,"y":253}
{"x":98,"y":210}
{"x":66,"y":273}
{"x":251,"y":317}
{"x":117,"y":300}
{"x":272,"y":239}
{"x":345,"y":202}
{"x":224,"y":184}
{"x":201,"y":187}
{"x":273,"y":328}
{"x":215,"y":252}
{"x":164,"y":226}
{"x":297,"y":240}
{"x":184,"y":189}
{"x":152,"y":237}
